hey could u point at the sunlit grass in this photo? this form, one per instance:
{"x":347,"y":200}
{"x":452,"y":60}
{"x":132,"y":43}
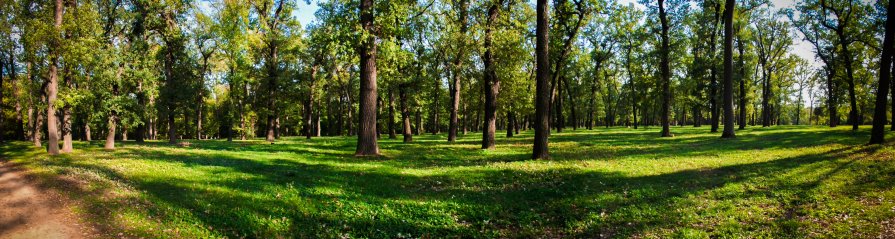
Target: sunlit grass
{"x":618,"y":182}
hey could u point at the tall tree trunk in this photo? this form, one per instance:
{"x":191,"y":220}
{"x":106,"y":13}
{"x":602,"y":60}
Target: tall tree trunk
{"x":742,"y":81}
{"x":309,"y":103}
{"x":727,"y":91}
{"x":458,"y":64}
{"x":852,"y":98}
{"x":665,"y":72}
{"x":571,"y":103}
{"x":832,"y":98}
{"x":272,"y":74}
{"x":878,"y":133}
{"x":540,"y":149}
{"x":713,"y":85}
{"x":632,"y":84}
{"x":2,"y":68}
{"x":366,"y":139}
{"x":491,"y":86}
{"x":141,"y":114}
{"x":52,"y":86}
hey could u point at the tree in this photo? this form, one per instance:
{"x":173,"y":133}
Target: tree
{"x":727,"y":90}
{"x":459,"y":58}
{"x":665,"y":71}
{"x":491,"y":86}
{"x":53,"y":84}
{"x":366,"y":136}
{"x":878,"y":133}
{"x":540,"y":149}
{"x":772,"y":41}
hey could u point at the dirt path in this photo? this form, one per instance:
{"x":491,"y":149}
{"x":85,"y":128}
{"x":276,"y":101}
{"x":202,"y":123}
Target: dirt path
{"x":28,"y":211}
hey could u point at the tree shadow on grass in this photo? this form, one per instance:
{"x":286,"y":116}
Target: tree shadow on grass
{"x":283,"y":197}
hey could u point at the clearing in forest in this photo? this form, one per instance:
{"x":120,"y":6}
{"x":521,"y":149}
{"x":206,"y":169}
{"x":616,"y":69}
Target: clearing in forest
{"x":617,"y":182}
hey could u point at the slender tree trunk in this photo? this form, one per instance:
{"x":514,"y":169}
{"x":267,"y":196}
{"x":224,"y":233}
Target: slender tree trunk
{"x":727,"y":91}
{"x":172,"y":131}
{"x":366,"y":140}
{"x":407,"y":132}
{"x":309,"y":103}
{"x":540,"y":149}
{"x":852,"y":98}
{"x":878,"y":133}
{"x":511,"y":122}
{"x":571,"y":103}
{"x":742,"y":82}
{"x":665,"y":72}
{"x":272,"y":75}
{"x":832,"y":100}
{"x":713,"y":91}
{"x":391,"y":114}
{"x":458,"y":63}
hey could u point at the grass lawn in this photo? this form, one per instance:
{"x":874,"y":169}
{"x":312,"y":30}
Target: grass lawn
{"x":768,"y":182}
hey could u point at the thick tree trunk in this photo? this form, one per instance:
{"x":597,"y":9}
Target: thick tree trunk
{"x":727,"y":91}
{"x":52,"y":86}
{"x":110,"y":133}
{"x":2,"y":68}
{"x":540,"y":148}
{"x":366,"y":140}
{"x":87,"y":133}
{"x":878,"y":133}
{"x":491,"y":86}
{"x":665,"y":72}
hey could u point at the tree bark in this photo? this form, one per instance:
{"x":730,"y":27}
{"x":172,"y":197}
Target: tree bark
{"x":491,"y":86}
{"x":172,"y":131}
{"x":540,"y":148}
{"x":458,"y":63}
{"x":727,"y":91}
{"x":52,"y":126}
{"x":391,"y":114}
{"x":665,"y":72}
{"x":878,"y":133}
{"x":110,"y":133}
{"x":407,"y":132}
{"x":742,"y":81}
{"x":366,"y":140}
{"x":309,"y":103}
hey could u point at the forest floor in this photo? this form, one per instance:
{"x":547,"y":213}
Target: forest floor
{"x":784,"y":181}
{"x":28,"y":210}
